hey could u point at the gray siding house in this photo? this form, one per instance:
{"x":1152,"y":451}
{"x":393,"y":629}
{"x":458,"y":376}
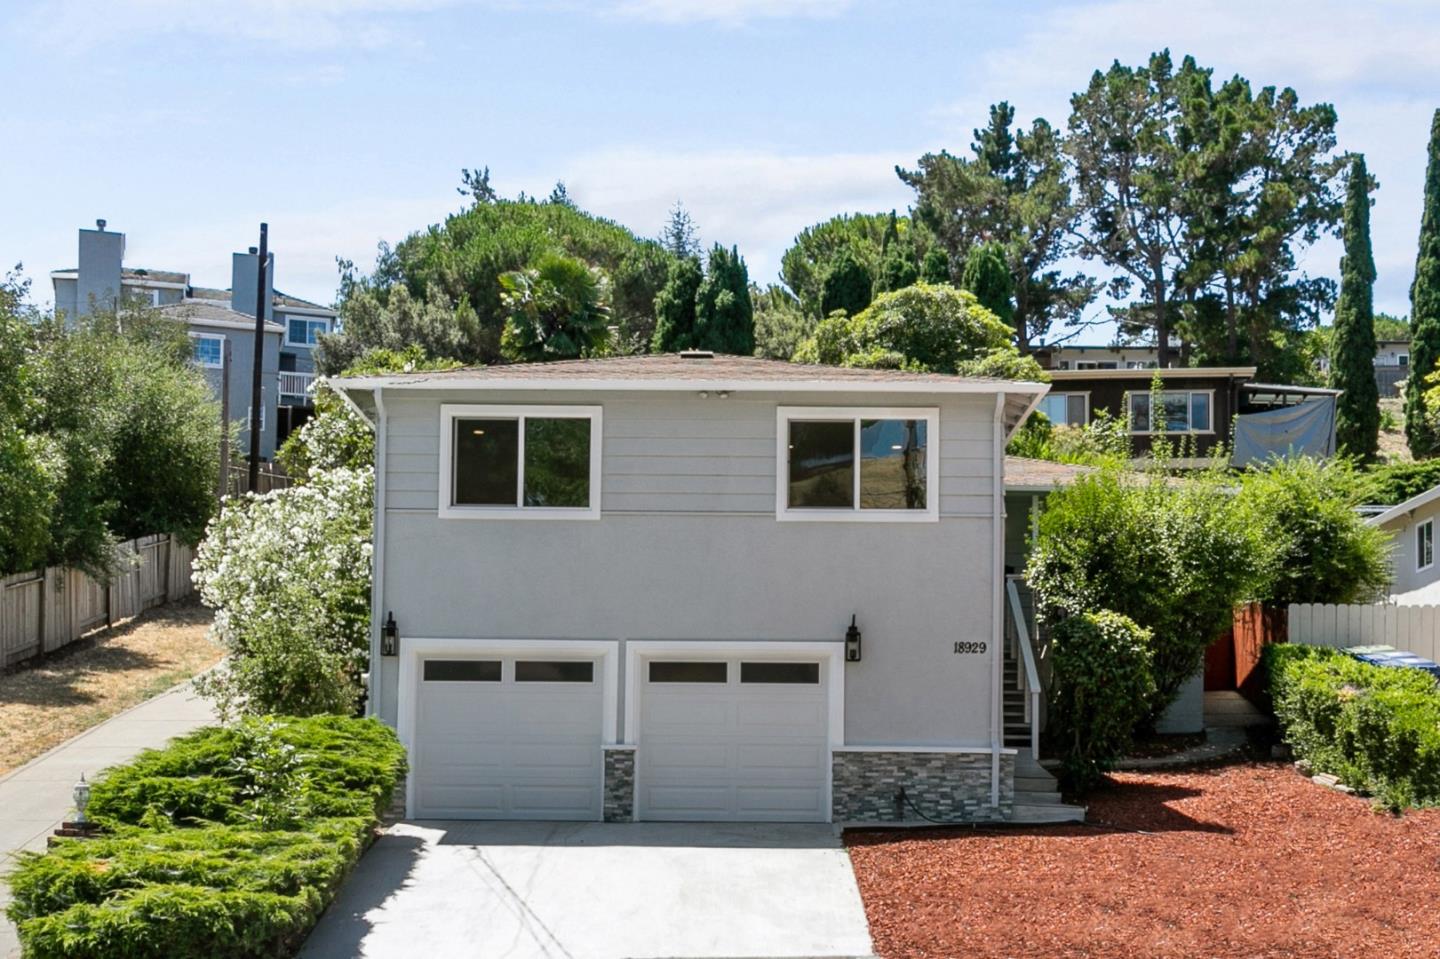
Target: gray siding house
{"x":215,"y":317}
{"x":1411,"y":526}
{"x":624,"y":589}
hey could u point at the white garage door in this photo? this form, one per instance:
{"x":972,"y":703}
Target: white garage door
{"x":733,"y":739}
{"x":508,"y":737}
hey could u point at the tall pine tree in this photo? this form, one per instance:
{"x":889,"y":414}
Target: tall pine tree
{"x":1352,"y":351}
{"x":724,"y":315}
{"x":675,"y":307}
{"x":1420,"y":426}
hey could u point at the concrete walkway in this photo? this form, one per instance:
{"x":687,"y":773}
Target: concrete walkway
{"x":597,"y":891}
{"x":36,"y":796}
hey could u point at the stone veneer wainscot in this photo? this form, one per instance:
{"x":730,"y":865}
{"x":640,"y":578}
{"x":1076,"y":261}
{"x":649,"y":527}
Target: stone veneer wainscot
{"x":949,"y":786}
{"x":619,"y":784}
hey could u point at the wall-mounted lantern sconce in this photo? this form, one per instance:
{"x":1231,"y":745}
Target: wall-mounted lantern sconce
{"x":852,"y":642}
{"x":389,"y":637}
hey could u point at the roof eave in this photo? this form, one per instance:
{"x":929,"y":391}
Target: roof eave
{"x":958,"y":385}
{"x":1402,"y":509}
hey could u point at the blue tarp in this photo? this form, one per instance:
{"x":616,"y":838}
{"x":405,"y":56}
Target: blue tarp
{"x":1390,"y":656}
{"x":1306,"y":429}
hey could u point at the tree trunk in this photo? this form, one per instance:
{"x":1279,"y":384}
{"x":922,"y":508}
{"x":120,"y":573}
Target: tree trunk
{"x":1232,"y":332}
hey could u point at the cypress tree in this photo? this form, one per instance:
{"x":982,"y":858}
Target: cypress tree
{"x":724,"y":315}
{"x":847,"y":286}
{"x":1420,"y":426}
{"x":1352,"y":350}
{"x":935,"y":268}
{"x":675,"y":307}
{"x":987,"y":276}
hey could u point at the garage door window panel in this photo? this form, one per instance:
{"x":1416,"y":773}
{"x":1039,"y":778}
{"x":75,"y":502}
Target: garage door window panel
{"x":554,"y":671}
{"x":462,"y":671}
{"x":762,"y":673}
{"x":674,"y":671}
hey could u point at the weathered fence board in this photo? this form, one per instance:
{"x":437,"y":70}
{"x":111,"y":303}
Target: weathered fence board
{"x":1415,"y":629}
{"x":44,"y":610}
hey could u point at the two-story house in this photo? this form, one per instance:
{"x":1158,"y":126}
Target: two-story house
{"x":221,"y":324}
{"x":698,"y":587}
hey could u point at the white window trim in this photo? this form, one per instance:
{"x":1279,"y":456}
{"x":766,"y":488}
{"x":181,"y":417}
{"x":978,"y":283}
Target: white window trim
{"x":211,"y":336}
{"x":1419,"y":528}
{"x":449,"y":413}
{"x":1150,"y":432}
{"x":248,"y":411}
{"x":307,"y":320}
{"x":1084,"y":393}
{"x":413,"y":651}
{"x":854,"y":514}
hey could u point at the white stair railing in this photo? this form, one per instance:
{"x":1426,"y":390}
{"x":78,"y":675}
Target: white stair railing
{"x":1029,"y":674}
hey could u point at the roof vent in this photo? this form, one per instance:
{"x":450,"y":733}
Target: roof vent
{"x":100,"y":225}
{"x":697,"y":355}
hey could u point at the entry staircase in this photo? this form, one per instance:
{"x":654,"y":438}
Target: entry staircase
{"x":1037,"y":795}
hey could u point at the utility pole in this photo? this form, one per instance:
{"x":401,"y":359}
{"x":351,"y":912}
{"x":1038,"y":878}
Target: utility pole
{"x":224,"y":486}
{"x":257,"y":396}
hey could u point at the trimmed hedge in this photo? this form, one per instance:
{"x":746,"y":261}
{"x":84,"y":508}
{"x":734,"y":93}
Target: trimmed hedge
{"x":1375,"y":727}
{"x":185,"y":871}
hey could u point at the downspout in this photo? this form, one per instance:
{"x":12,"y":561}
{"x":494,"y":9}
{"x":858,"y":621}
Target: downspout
{"x":997,"y":624}
{"x":377,"y":562}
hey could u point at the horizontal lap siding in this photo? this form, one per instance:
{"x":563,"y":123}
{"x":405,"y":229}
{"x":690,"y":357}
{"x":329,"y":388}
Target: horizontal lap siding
{"x":680,"y":453}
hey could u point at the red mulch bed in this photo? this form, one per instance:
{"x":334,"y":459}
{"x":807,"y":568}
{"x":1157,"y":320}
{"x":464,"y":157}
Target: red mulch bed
{"x":1239,"y":861}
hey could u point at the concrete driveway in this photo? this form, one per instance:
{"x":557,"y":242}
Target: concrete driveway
{"x":437,"y":890}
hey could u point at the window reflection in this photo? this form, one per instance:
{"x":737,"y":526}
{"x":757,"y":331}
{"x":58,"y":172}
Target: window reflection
{"x":892,"y":464}
{"x":822,"y":464}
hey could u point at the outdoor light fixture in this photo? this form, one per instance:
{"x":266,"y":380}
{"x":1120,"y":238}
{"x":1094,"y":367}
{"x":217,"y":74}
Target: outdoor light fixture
{"x":852,"y":642}
{"x":389,"y":637}
{"x":81,"y":795}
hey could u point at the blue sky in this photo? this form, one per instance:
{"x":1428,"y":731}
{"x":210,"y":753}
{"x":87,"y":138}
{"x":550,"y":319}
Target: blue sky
{"x":343,"y":122}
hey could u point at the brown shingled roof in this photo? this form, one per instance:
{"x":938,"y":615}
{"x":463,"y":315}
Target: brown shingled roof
{"x":680,"y":366}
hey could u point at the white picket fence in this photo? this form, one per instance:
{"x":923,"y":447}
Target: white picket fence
{"x":46,"y":609}
{"x":1412,"y":628}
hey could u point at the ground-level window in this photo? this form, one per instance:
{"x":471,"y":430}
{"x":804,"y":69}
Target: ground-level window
{"x":520,"y":462}
{"x":1066,"y":409}
{"x":1182,"y":411}
{"x":1425,"y":545}
{"x":208,"y":349}
{"x":857,"y":463}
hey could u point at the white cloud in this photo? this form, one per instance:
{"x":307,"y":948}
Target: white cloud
{"x":756,"y":199}
{"x":726,"y":11}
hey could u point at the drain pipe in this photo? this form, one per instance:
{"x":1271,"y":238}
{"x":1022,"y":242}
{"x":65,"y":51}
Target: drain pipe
{"x":377,"y":562}
{"x":997,"y":624}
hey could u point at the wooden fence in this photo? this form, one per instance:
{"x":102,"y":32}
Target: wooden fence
{"x":271,"y":477}
{"x":1412,"y":628}
{"x":44,"y":610}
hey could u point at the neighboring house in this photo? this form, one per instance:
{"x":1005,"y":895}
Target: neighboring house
{"x":215,"y":316}
{"x":1411,"y":525}
{"x":623,"y":588}
{"x":1202,"y":406}
{"x":1066,"y":356}
{"x":1392,"y":366}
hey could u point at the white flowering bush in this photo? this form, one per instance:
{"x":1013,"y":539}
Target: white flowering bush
{"x":288,"y":575}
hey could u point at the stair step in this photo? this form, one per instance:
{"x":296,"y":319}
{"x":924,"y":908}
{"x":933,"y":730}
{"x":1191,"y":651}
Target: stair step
{"x":1034,"y":784}
{"x":1046,"y":813}
{"x":1040,"y":796}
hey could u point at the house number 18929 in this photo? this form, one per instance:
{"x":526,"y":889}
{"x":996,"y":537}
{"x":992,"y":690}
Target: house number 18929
{"x":962,"y":648}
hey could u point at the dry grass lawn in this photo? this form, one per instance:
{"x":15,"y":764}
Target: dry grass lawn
{"x":89,"y":681}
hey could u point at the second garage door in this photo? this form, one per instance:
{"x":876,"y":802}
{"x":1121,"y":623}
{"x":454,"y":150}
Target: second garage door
{"x":733,"y":739}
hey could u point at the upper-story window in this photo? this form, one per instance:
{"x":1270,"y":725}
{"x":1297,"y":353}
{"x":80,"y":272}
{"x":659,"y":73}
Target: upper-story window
{"x":303,"y":331}
{"x":520,"y":462}
{"x":857,"y":464}
{"x":209,"y":349}
{"x":1425,"y":545}
{"x":1066,"y":409}
{"x":1185,"y":411}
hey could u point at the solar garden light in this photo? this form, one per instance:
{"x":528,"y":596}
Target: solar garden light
{"x":390,"y":637}
{"x":81,"y":795}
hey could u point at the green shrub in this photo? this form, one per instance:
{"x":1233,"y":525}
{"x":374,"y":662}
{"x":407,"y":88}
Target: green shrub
{"x":187,"y":868}
{"x":1375,"y":727}
{"x":1102,"y":685}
